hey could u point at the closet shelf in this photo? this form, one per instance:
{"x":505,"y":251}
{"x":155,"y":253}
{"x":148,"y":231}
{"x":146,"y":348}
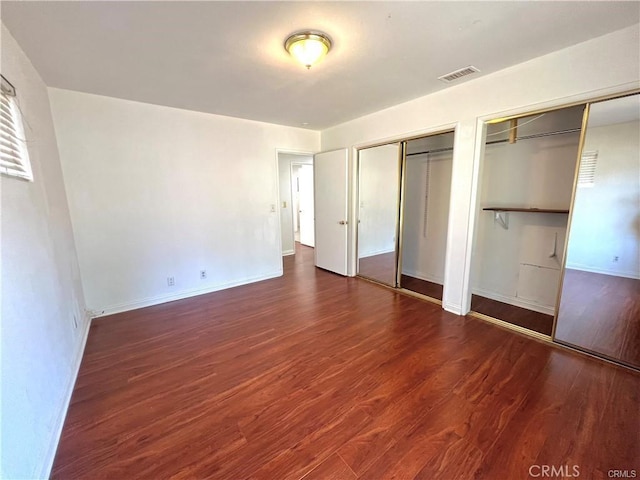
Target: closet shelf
{"x":525,"y":210}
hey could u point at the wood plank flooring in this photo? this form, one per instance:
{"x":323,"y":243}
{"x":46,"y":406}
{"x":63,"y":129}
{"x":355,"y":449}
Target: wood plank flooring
{"x":601,"y":313}
{"x":430,"y":289}
{"x":536,"y":321}
{"x":381,"y":268}
{"x":317,"y":376}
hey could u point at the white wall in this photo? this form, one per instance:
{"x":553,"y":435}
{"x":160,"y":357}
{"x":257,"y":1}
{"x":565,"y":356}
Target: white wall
{"x":156,"y":192}
{"x":597,"y":67}
{"x":286,"y":206}
{"x":606,"y":219}
{"x":379,"y":173}
{"x":41,"y":290}
{"x":424,"y":247}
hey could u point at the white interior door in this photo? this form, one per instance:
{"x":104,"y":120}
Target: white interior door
{"x":305,"y":176}
{"x":331,"y":184}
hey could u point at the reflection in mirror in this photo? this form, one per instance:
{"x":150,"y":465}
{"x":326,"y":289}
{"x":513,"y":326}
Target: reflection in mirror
{"x":378,"y":197}
{"x":427,"y":188}
{"x":600,"y":302}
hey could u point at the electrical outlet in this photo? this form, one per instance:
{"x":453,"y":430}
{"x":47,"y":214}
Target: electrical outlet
{"x":171,"y":281}
{"x":615,"y":259}
{"x":203,"y":274}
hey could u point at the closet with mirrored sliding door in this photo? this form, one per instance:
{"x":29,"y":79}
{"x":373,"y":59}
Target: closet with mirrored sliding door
{"x":525,"y":186}
{"x":599,"y":306}
{"x":556,"y":249}
{"x":403,"y":209}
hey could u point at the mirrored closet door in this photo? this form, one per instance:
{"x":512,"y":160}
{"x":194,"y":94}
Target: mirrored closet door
{"x":599,"y":307}
{"x":379,"y":204}
{"x":404,"y":190}
{"x":525,"y":188}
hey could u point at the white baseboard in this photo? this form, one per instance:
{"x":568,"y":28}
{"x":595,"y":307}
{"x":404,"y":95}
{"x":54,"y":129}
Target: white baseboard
{"x":518,"y":302}
{"x":450,"y":307}
{"x":377,"y":252}
{"x":603,"y":271}
{"x":150,"y":301}
{"x":286,"y":253}
{"x":423,"y":276}
{"x":47,"y":463}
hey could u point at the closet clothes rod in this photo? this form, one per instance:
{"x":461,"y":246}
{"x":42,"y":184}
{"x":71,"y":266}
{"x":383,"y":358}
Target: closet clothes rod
{"x":435,"y":150}
{"x":493,"y":142}
{"x":536,"y":135}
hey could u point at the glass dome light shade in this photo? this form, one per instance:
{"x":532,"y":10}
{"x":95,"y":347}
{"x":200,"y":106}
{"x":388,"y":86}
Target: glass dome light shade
{"x":308,"y":47}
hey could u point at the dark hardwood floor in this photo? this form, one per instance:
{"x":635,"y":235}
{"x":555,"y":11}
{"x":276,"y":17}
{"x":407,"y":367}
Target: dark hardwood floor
{"x":601,"y":313}
{"x":381,"y":268}
{"x":523,"y":317}
{"x":317,"y":376}
{"x":430,"y":289}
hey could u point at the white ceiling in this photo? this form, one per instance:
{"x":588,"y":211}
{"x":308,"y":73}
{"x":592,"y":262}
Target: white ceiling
{"x":227,"y":57}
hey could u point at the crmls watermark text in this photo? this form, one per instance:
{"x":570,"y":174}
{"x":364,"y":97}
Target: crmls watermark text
{"x":621,"y":473}
{"x":551,"y":471}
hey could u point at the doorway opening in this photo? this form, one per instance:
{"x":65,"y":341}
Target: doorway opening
{"x":295,"y":180}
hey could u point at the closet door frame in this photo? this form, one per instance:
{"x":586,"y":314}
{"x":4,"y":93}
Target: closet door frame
{"x":402,"y":159}
{"x":481,"y":136}
{"x":401,"y":203}
{"x":563,"y":264}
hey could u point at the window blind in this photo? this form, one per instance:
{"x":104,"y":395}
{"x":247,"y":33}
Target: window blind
{"x":14,"y":157}
{"x":587,"y":171}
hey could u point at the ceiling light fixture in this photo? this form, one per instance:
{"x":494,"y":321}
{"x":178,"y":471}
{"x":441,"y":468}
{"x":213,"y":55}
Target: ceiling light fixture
{"x":308,"y":47}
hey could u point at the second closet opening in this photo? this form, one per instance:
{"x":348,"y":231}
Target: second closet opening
{"x":403,"y":196}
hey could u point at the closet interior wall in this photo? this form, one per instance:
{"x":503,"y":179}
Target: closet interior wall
{"x":427,"y":191}
{"x":526,"y":183}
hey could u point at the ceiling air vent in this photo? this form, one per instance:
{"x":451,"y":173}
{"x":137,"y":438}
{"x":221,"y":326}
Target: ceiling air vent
{"x":463,"y":72}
